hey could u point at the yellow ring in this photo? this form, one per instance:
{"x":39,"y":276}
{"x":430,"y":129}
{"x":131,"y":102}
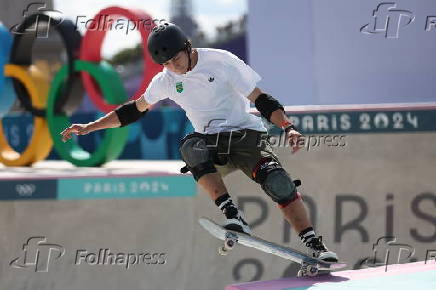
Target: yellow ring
{"x":36,"y":83}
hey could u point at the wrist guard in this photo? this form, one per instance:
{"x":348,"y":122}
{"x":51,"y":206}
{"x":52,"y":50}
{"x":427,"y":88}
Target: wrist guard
{"x":266,"y":104}
{"x":128,"y":113}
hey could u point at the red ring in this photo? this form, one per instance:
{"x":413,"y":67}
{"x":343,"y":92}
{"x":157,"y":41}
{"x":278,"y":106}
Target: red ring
{"x":92,"y":42}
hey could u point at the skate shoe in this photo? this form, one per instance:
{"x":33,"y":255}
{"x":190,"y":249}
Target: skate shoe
{"x":235,"y":221}
{"x":317,"y":249}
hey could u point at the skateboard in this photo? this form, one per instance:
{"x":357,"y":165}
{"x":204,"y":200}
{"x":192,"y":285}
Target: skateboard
{"x":309,"y":266}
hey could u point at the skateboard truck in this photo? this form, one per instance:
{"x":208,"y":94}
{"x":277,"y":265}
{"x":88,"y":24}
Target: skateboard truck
{"x":307,"y":269}
{"x":230,"y":241}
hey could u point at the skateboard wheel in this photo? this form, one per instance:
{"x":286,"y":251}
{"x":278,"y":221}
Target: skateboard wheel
{"x":303,"y":270}
{"x":230,"y":244}
{"x":300,"y":273}
{"x":312,"y":270}
{"x":222,"y":251}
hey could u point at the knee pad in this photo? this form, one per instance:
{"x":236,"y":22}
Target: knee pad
{"x":279,"y":186}
{"x":196,"y":155}
{"x":276,"y":182}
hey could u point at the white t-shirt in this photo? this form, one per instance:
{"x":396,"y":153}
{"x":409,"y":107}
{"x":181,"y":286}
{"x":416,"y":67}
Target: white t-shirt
{"x":213,"y":94}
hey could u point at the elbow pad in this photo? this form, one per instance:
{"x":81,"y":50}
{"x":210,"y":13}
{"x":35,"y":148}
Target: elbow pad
{"x":128,"y":113}
{"x":266,"y":104}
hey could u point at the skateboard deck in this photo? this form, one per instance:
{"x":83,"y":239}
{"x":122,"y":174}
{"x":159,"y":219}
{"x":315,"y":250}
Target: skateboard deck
{"x":265,"y":246}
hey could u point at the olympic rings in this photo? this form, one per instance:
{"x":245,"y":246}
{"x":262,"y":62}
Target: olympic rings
{"x":36,"y":84}
{"x":91,"y":51}
{"x":21,"y":54}
{"x":114,"y":139}
{"x":51,"y":105}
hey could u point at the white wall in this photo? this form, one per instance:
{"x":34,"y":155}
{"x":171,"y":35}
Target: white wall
{"x":312,"y":52}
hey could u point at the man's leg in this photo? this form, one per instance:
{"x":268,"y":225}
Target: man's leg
{"x":256,"y":158}
{"x":296,"y":215}
{"x":215,"y":187}
{"x":196,"y":154}
{"x":213,"y":184}
{"x":277,"y":183}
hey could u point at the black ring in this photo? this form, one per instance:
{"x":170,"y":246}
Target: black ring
{"x":21,"y":54}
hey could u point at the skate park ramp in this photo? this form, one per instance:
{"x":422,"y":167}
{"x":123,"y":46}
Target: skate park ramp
{"x":417,"y":275}
{"x":61,"y":225}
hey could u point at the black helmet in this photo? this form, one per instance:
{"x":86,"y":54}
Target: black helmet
{"x":165,"y":41}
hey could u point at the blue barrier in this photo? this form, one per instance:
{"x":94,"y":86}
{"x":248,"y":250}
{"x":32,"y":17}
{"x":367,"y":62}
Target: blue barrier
{"x":154,"y":137}
{"x":7,"y":93}
{"x":158,"y":134}
{"x":110,"y":187}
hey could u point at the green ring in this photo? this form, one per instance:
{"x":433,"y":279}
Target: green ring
{"x":114,"y":139}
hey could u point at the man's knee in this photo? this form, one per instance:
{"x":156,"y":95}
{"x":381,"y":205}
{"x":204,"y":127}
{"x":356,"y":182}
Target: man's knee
{"x":279,"y":186}
{"x":197,"y":156}
{"x":276,"y":182}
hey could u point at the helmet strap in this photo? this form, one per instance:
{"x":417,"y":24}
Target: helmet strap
{"x":188,"y":51}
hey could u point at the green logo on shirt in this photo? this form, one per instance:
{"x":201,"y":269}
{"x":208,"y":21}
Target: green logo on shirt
{"x":179,"y":87}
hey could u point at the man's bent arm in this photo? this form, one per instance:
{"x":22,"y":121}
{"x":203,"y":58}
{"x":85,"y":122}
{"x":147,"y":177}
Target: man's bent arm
{"x":122,"y":116}
{"x":278,"y":116}
{"x":111,"y":120}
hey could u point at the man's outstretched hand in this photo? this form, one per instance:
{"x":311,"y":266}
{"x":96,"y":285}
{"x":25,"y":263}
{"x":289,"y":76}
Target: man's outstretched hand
{"x":78,"y":129}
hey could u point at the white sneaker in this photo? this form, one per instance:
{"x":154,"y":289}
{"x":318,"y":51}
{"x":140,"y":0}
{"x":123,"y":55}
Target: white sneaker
{"x":237,"y":223}
{"x":317,"y":249}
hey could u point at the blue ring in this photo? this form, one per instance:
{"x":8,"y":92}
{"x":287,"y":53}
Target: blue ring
{"x":7,"y":93}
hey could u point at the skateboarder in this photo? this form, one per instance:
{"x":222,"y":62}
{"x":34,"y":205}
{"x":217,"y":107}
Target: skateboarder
{"x":215,"y":88}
